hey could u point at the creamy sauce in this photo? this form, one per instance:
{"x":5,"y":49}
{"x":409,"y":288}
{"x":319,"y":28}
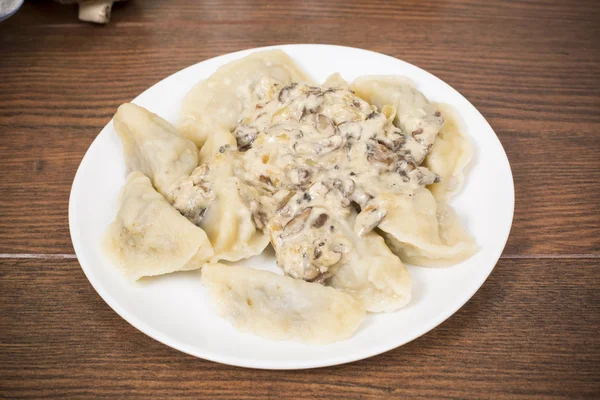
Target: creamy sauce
{"x":308,"y":160}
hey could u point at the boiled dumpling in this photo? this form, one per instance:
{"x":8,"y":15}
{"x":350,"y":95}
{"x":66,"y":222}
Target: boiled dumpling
{"x":450,"y":154}
{"x":279,"y":307}
{"x":211,"y":198}
{"x":154,"y":147}
{"x":149,"y":237}
{"x":335,"y":81}
{"x":419,"y":119}
{"x":219,"y":100}
{"x":374,"y":276}
{"x":230,"y":227}
{"x":423,"y":232}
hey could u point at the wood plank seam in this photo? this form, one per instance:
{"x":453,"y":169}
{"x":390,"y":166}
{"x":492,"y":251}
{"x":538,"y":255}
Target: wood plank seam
{"x":505,"y":256}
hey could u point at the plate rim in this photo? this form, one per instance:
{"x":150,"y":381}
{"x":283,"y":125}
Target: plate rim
{"x":141,"y":326}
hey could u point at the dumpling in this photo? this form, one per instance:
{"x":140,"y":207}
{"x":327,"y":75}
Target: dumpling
{"x":374,"y":276}
{"x":335,"y":81}
{"x":423,"y":232}
{"x":279,"y":307}
{"x":154,"y":147}
{"x":149,"y":237}
{"x":230,"y":227}
{"x":450,"y":154}
{"x":212,"y":199}
{"x":220,"y":99}
{"x":414,"y":114}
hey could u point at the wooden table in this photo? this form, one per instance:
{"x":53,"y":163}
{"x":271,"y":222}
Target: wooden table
{"x":531,"y":67}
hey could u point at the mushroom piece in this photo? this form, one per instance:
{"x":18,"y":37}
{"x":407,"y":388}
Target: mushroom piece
{"x":361,"y":198}
{"x":426,"y":177}
{"x":326,"y":255}
{"x":311,"y":274}
{"x":346,"y":187}
{"x":284,"y":209}
{"x":284,"y":93}
{"x":325,"y":126}
{"x":379,"y":153}
{"x":260,"y":219}
{"x":245,"y":136}
{"x":300,"y":175}
{"x":317,"y":189}
{"x":296,"y":224}
{"x":392,"y":144}
{"x":320,"y":220}
{"x":368,"y":219}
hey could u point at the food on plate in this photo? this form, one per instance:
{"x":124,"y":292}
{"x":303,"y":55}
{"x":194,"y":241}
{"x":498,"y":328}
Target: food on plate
{"x":153,"y":146}
{"x":374,"y":275}
{"x":419,"y":120}
{"x":279,"y":307}
{"x":449,"y":156}
{"x":422,"y":231}
{"x":218,"y":101}
{"x":213,"y":198}
{"x":149,"y":237}
{"x":346,"y":181}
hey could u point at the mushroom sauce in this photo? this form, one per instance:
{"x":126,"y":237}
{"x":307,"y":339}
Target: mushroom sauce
{"x":314,"y":166}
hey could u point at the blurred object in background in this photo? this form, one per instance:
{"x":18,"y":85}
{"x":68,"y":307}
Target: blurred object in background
{"x":97,"y":11}
{"x":8,"y":8}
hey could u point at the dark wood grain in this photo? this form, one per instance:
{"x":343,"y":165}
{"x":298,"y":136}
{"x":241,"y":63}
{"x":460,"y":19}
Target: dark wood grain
{"x":531,"y":67}
{"x":532,"y":330}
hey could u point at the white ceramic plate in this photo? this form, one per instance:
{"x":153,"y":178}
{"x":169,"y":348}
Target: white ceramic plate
{"x":174,"y":310}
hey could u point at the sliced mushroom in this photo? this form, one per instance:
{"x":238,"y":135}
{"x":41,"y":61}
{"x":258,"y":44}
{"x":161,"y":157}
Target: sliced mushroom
{"x":325,"y":256}
{"x":194,"y":215}
{"x":245,"y":136}
{"x":320,"y":220}
{"x":284,"y":93}
{"x":285,"y":200}
{"x":361,"y":198}
{"x":416,"y":133}
{"x":377,"y":152}
{"x":312,"y":274}
{"x":346,"y":186}
{"x":325,"y":126}
{"x":368,"y":219}
{"x":266,"y":180}
{"x":296,"y":224}
{"x":318,"y":189}
{"x":260,"y":219}
{"x":426,"y":177}
{"x":392,"y":144}
{"x":317,"y":253}
{"x":300,"y":175}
